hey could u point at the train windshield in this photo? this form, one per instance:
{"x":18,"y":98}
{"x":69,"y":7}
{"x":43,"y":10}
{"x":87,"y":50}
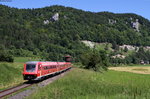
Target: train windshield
{"x":30,"y":67}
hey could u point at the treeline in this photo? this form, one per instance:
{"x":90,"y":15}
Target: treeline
{"x":99,"y":60}
{"x":140,"y":57}
{"x":23,"y":32}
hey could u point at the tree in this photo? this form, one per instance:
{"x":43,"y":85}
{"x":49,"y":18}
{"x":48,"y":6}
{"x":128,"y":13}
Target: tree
{"x":115,"y":46}
{"x":106,"y":47}
{"x":5,"y":56}
{"x":95,"y":60}
{"x":125,"y":49}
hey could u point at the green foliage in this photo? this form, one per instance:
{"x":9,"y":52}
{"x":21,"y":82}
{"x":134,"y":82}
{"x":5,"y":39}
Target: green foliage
{"x":10,"y":74}
{"x":84,"y":84}
{"x":95,"y":60}
{"x":23,"y":32}
{"x":5,"y":56}
{"x":125,"y":49}
{"x":23,"y":53}
{"x":134,"y":58}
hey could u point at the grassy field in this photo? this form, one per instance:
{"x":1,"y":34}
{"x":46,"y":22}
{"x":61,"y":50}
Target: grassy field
{"x":133,"y":69}
{"x":84,"y":84}
{"x":10,"y":74}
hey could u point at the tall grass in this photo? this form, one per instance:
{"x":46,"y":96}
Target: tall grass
{"x":10,"y":74}
{"x":84,"y":84}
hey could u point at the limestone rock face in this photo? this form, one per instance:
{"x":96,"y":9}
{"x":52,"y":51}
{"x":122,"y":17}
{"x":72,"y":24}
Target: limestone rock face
{"x":111,"y":21}
{"x":129,"y":47}
{"x":55,"y":17}
{"x":136,"y":25}
{"x":46,"y":22}
{"x":89,"y":43}
{"x":119,"y":56}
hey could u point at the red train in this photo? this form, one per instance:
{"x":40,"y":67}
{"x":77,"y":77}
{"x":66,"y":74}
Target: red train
{"x":36,"y":70}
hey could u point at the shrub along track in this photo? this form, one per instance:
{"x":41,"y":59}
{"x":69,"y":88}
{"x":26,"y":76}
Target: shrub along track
{"x":25,"y":93}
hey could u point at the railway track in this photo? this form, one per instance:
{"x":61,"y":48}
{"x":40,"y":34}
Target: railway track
{"x":27,"y":84}
{"x":14,"y":89}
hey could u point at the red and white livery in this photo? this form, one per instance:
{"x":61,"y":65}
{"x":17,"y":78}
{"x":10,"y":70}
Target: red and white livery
{"x":36,"y":70}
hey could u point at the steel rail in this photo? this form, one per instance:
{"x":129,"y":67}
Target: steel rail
{"x":13,"y":89}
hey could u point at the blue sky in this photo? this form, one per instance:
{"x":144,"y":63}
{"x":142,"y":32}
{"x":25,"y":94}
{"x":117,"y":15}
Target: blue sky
{"x":140,"y":7}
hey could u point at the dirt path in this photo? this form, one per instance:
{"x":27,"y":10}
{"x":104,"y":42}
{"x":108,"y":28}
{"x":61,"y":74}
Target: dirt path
{"x":139,"y":70}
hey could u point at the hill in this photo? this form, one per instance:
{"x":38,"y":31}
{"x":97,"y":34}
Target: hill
{"x":54,"y":31}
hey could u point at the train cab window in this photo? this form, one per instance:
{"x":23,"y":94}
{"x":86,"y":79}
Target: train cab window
{"x":30,"y":67}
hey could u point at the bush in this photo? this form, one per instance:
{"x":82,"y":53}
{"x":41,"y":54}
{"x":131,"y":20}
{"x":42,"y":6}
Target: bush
{"x":5,"y":57}
{"x":95,"y":60}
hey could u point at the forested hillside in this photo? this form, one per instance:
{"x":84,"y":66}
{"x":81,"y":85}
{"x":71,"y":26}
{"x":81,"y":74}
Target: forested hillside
{"x":52,"y":32}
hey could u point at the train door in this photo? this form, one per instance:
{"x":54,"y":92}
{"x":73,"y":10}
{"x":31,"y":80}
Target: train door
{"x":40,"y":70}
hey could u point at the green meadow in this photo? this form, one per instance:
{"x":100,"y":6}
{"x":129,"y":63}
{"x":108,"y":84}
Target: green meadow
{"x":81,"y":84}
{"x":11,"y":73}
{"x":85,"y":84}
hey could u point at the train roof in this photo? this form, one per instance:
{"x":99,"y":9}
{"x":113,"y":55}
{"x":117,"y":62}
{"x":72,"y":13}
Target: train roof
{"x":32,"y":62}
{"x":45,"y":62}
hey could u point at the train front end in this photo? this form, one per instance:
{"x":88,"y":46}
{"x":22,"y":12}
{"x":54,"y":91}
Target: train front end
{"x":30,"y":70}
